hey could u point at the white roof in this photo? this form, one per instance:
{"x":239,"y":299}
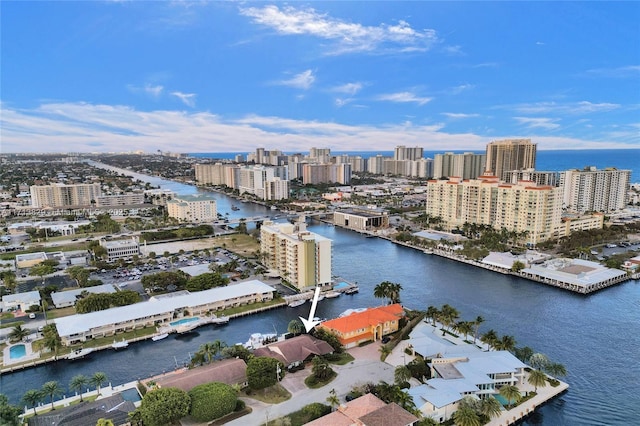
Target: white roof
{"x":196,"y":270}
{"x":29,"y":297}
{"x":585,"y":273}
{"x":63,"y":297}
{"x":82,"y":323}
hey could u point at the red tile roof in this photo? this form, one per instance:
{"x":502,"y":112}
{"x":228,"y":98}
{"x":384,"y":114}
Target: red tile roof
{"x":369,"y":318}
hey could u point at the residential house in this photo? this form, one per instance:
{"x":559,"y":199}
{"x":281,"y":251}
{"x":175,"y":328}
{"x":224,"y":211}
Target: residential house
{"x":229,"y":371}
{"x":295,"y":351}
{"x":367,"y":410}
{"x":369,"y":325}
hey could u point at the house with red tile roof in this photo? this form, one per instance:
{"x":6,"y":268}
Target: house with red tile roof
{"x":367,"y":410}
{"x":295,"y":351}
{"x":365,"y":326}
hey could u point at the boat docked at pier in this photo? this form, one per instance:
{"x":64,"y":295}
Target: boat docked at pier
{"x":120,"y":345}
{"x":160,"y":336}
{"x":79,"y":353}
{"x":219,"y":320}
{"x":296,"y":303}
{"x":352,"y":290}
{"x":332,"y":294}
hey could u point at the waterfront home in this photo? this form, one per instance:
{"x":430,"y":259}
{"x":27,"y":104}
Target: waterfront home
{"x":230,"y":371}
{"x":114,"y":408}
{"x":78,"y":328}
{"x":361,"y":219}
{"x":369,"y":325}
{"x":295,"y":351}
{"x":478,"y":374}
{"x":367,"y":410}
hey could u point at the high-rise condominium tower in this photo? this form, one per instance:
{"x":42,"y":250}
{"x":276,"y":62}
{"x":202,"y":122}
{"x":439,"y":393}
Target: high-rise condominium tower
{"x":510,"y":154}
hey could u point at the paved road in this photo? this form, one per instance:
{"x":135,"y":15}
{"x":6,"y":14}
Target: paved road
{"x":366,"y":367}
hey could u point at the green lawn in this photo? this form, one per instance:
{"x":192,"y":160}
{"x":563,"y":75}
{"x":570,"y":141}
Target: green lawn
{"x":272,"y":395}
{"x":246,"y":308}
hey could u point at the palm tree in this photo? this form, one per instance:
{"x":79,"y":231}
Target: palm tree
{"x":479,"y":320}
{"x":385,"y":350}
{"x":511,"y":393}
{"x":78,"y":382}
{"x":556,"y":369}
{"x":432,"y":313}
{"x":506,"y":343}
{"x":208,"y":351}
{"x":537,"y":378}
{"x":97,"y":380}
{"x":104,"y":422}
{"x":51,"y":389}
{"x":464,"y":327}
{"x":18,"y":333}
{"x":466,"y":416}
{"x":381,"y":291}
{"x":448,"y":315}
{"x":52,"y":340}
{"x":490,"y":407}
{"x":333,"y":399}
{"x":401,"y":374}
{"x":394,"y":292}
{"x":489,"y":338}
{"x":31,"y":398}
{"x":295,"y":327}
{"x":538,"y":361}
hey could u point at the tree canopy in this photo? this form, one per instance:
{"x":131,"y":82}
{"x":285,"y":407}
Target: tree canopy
{"x":164,"y":406}
{"x":211,"y":401}
{"x":263,"y":372}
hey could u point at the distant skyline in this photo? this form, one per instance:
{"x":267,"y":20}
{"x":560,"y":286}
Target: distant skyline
{"x":180,"y":76}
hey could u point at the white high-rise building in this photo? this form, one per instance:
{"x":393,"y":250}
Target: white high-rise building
{"x":61,"y":195}
{"x":401,"y":152}
{"x":593,"y":190}
{"x":189,"y":208}
{"x":299,"y":256}
{"x":526,"y":207}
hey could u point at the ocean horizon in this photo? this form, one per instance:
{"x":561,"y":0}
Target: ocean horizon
{"x":546,"y":160}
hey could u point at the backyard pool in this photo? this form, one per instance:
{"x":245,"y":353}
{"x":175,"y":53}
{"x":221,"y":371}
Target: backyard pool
{"x":183,"y":321}
{"x":17,"y":351}
{"x":131,"y":395}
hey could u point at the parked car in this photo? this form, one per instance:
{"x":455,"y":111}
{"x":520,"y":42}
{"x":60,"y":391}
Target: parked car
{"x":32,"y":315}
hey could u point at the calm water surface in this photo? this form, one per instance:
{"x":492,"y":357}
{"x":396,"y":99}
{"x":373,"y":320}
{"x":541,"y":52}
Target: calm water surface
{"x":596,"y":337}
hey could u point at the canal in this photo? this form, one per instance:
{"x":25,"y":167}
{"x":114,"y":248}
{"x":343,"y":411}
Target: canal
{"x":596,"y":337}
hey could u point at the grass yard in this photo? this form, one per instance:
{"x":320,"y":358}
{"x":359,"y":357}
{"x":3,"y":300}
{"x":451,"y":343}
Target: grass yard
{"x":272,"y":395}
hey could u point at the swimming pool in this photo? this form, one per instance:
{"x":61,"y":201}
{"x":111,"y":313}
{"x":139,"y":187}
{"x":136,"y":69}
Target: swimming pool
{"x":131,"y":395}
{"x":17,"y":351}
{"x":341,"y":285}
{"x":183,"y":321}
{"x":501,"y":399}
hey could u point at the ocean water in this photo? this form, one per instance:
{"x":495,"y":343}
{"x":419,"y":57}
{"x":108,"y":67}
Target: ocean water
{"x":556,"y":160}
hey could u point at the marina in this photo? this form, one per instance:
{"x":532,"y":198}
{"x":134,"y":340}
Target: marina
{"x":120,"y":345}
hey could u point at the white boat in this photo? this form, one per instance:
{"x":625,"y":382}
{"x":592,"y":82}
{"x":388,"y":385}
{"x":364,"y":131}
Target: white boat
{"x":258,"y":340}
{"x":160,"y":337}
{"x":332,"y":294}
{"x":296,"y":303}
{"x":220,"y":320}
{"x":120,"y":345}
{"x":79,"y":353}
{"x":351,"y":290}
{"x":186,"y":328}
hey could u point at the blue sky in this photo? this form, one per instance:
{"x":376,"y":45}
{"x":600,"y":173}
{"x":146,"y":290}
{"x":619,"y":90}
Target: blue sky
{"x":232,"y":76}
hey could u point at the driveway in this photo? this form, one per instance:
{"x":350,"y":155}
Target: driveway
{"x":366,"y":367}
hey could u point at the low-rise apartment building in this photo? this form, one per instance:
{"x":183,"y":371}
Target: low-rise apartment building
{"x":121,"y":249}
{"x":187,"y":208}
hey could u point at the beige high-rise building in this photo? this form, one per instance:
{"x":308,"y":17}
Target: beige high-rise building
{"x":523,"y":207}
{"x":593,"y":190}
{"x":299,"y":256}
{"x":190,"y":208}
{"x":210,"y":174}
{"x":61,"y":195}
{"x":510,"y":154}
{"x":401,"y":152}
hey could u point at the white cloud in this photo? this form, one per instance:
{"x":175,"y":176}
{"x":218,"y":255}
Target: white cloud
{"x":538,"y":122}
{"x":456,"y":115}
{"x":461,"y":88}
{"x":348,"y":36}
{"x":340,"y":102}
{"x":189,"y":99}
{"x":404,"y":97}
{"x":147,"y":89}
{"x":348,"y":88}
{"x":583,"y":107}
{"x":304,"y":80}
{"x":619,"y":72}
{"x":83,"y":127}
